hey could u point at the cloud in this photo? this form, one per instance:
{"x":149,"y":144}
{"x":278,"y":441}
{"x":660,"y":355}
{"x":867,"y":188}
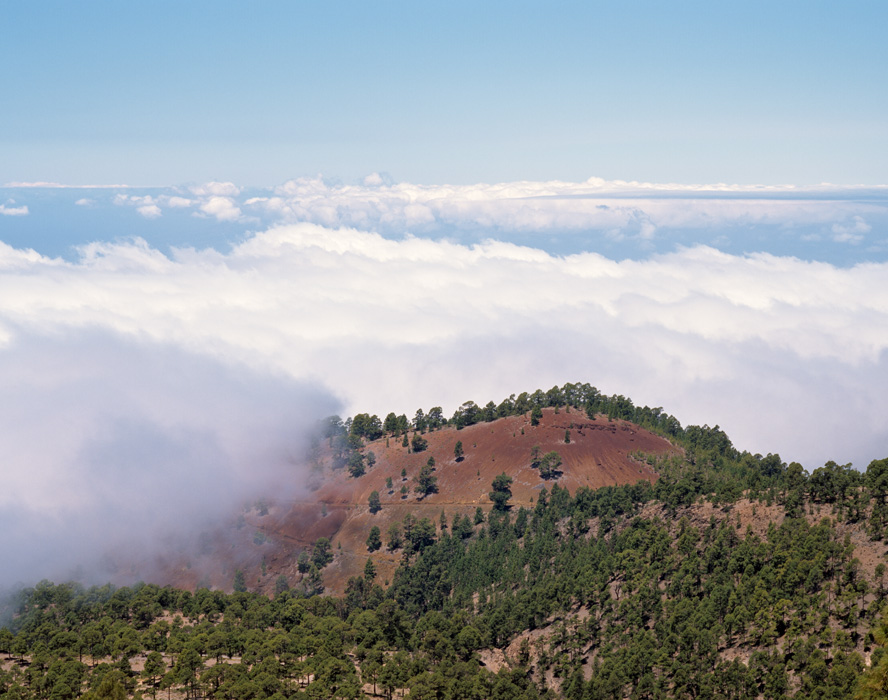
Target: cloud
{"x":114,"y":444}
{"x":845,"y":224}
{"x":23,"y":185}
{"x":378,"y":179}
{"x":220,"y":189}
{"x":9,"y":210}
{"x":85,"y":202}
{"x":852,"y":232}
{"x":223,"y":208}
{"x":623,"y":210}
{"x":149,"y":211}
{"x":398,"y":324}
{"x":145,"y":205}
{"x":60,"y":186}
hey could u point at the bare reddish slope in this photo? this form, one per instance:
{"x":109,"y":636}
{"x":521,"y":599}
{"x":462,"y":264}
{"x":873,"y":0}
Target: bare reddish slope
{"x":598,"y":455}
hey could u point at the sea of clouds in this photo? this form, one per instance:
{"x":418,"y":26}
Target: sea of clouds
{"x":149,"y":384}
{"x":839,"y":224}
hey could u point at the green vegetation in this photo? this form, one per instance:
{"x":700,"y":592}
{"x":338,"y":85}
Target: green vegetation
{"x":356,"y":464}
{"x":874,"y":683}
{"x":733,"y":576}
{"x":549,"y":464}
{"x":502,"y":491}
{"x":395,"y":539}
{"x":425,"y":482}
{"x":239,"y":584}
{"x":418,"y":443}
{"x":374,"y":502}
{"x":321,"y":554}
{"x":374,"y":541}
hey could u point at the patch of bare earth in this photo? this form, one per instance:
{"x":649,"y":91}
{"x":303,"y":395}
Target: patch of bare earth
{"x":597,"y":455}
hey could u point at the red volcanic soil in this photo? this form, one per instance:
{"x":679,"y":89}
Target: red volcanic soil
{"x":598,"y":455}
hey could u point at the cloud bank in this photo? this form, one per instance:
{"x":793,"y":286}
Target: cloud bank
{"x":844,"y":224}
{"x":112,"y":445}
{"x":632,"y":207}
{"x":786,"y":355}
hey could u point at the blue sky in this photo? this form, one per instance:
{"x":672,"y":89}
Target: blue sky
{"x":219,"y":220}
{"x":167,"y":93}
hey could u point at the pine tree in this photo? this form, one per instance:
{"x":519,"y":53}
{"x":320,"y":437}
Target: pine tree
{"x":395,"y":539}
{"x":240,"y":584}
{"x":374,"y":541}
{"x":369,"y":571}
{"x":502,"y":491}
{"x":426,"y":483}
{"x":313,"y":583}
{"x":373,"y":500}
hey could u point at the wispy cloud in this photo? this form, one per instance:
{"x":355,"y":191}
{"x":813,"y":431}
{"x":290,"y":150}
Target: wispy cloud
{"x":851,"y":232}
{"x":215,"y":189}
{"x":60,"y":186}
{"x":145,"y":205}
{"x":9,"y":209}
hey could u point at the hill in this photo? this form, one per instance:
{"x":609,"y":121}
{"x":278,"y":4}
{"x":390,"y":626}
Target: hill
{"x":600,"y":453}
{"x":641,"y":568}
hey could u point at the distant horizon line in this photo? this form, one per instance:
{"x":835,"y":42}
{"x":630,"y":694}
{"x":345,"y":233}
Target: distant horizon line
{"x":375,"y":181}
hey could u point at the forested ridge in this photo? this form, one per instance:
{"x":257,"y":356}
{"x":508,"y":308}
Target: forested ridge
{"x":733,"y":576}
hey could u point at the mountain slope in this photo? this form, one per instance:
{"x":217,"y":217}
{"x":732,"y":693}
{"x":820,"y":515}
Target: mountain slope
{"x":643,"y":569}
{"x":599,"y":454}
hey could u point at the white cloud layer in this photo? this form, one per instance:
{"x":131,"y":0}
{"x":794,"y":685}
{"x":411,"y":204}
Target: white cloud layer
{"x":622,"y":208}
{"x":786,"y":355}
{"x":645,"y":215}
